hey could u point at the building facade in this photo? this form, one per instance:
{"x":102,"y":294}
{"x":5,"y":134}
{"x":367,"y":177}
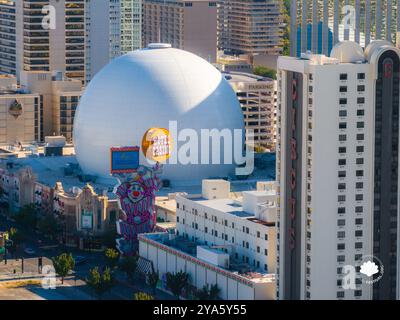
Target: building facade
{"x":187,"y":25}
{"x":257,"y":97}
{"x":85,"y":211}
{"x":337,"y":171}
{"x":54,"y":43}
{"x":246,"y":230}
{"x":8,"y":37}
{"x":113,"y":28}
{"x":359,"y":21}
{"x":166,"y":256}
{"x":59,"y":97}
{"x":76,"y":37}
{"x":250,"y":27}
{"x":222,"y":240}
{"x":20,"y":113}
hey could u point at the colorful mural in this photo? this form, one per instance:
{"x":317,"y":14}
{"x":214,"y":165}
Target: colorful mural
{"x":136,"y":195}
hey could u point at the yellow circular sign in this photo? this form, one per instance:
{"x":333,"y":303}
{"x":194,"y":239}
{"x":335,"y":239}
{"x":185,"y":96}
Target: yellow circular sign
{"x":157,"y":144}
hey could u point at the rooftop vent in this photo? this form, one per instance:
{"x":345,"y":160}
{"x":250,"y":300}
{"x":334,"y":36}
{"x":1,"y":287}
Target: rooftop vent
{"x":159,"y":46}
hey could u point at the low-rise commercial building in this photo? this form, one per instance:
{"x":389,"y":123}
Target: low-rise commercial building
{"x":178,"y":254}
{"x":59,"y":99}
{"x":87,"y":210}
{"x":41,"y":104}
{"x":221,"y":239}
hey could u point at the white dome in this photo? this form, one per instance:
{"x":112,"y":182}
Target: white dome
{"x":146,"y":89}
{"x":370,"y":49}
{"x":348,"y":52}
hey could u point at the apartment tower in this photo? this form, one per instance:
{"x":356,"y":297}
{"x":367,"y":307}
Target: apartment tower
{"x":337,"y":172}
{"x":189,"y":25}
{"x":250,"y":27}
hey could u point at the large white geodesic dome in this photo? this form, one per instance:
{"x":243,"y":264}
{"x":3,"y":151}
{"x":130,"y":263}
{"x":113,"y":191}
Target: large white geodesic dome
{"x":148,"y":88}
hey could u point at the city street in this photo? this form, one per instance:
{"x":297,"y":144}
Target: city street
{"x":74,"y":287}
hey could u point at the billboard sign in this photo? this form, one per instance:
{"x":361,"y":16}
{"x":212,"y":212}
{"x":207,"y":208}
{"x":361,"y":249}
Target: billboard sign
{"x":124,"y":159}
{"x":157,"y":144}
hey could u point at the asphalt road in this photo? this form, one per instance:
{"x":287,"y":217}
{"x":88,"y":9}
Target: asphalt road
{"x":42,"y":248}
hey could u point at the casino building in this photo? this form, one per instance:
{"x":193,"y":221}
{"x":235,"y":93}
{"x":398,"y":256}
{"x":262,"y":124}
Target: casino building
{"x":56,"y":186}
{"x":337,"y":171}
{"x":130,"y":100}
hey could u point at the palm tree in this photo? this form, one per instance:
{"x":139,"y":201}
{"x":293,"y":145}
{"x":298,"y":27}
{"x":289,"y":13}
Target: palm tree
{"x":176,"y":282}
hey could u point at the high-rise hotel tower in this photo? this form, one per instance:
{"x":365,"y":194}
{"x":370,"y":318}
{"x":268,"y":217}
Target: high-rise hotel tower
{"x":359,"y":20}
{"x":76,"y":37}
{"x":337,"y":171}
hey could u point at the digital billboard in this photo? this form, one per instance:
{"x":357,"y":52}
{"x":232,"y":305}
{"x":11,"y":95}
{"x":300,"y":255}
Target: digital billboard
{"x":124,"y":159}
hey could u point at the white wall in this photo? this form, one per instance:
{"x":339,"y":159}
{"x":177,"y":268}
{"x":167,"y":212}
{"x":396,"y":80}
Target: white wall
{"x":230,"y":288}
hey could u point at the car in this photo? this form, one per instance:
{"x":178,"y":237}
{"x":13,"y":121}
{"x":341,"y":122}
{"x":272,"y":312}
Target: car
{"x":79,"y":260}
{"x":29,"y":251}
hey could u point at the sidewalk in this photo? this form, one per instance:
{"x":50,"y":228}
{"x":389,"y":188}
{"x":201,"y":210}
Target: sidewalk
{"x":66,"y":291}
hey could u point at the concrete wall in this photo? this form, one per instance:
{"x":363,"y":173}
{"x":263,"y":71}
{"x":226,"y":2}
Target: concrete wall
{"x":231,"y":289}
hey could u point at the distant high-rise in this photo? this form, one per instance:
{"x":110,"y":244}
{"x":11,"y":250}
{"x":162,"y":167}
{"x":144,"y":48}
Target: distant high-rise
{"x":113,"y":28}
{"x":85,"y":36}
{"x":189,"y":25}
{"x":358,"y":20}
{"x":250,"y":27}
{"x":7,"y":40}
{"x":26,"y":45}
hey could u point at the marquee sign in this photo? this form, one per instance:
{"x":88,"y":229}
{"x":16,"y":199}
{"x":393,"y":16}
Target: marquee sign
{"x":293,"y":180}
{"x":124,"y":159}
{"x":157,"y":144}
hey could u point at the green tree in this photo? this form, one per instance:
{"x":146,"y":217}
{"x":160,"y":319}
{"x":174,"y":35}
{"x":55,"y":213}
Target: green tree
{"x":27,"y":216}
{"x":128,"y":265}
{"x":152,"y":280}
{"x":112,"y":257}
{"x":142,"y":296}
{"x":16,"y":237}
{"x":214,"y":292}
{"x":265,"y":72}
{"x":202,"y":294}
{"x":63,"y":264}
{"x":176,"y":282}
{"x":50,"y":226}
{"x":100,"y":282}
{"x":208,"y":293}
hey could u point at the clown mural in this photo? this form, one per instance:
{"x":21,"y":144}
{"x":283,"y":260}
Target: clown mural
{"x":137,"y":187}
{"x":136,"y":195}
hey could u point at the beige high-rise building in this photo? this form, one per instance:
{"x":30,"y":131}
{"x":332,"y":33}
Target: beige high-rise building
{"x":250,"y":27}
{"x":76,"y":37}
{"x":189,"y":25}
{"x":60,"y":97}
{"x":41,"y":104}
{"x":20,"y":113}
{"x":55,"y":47}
